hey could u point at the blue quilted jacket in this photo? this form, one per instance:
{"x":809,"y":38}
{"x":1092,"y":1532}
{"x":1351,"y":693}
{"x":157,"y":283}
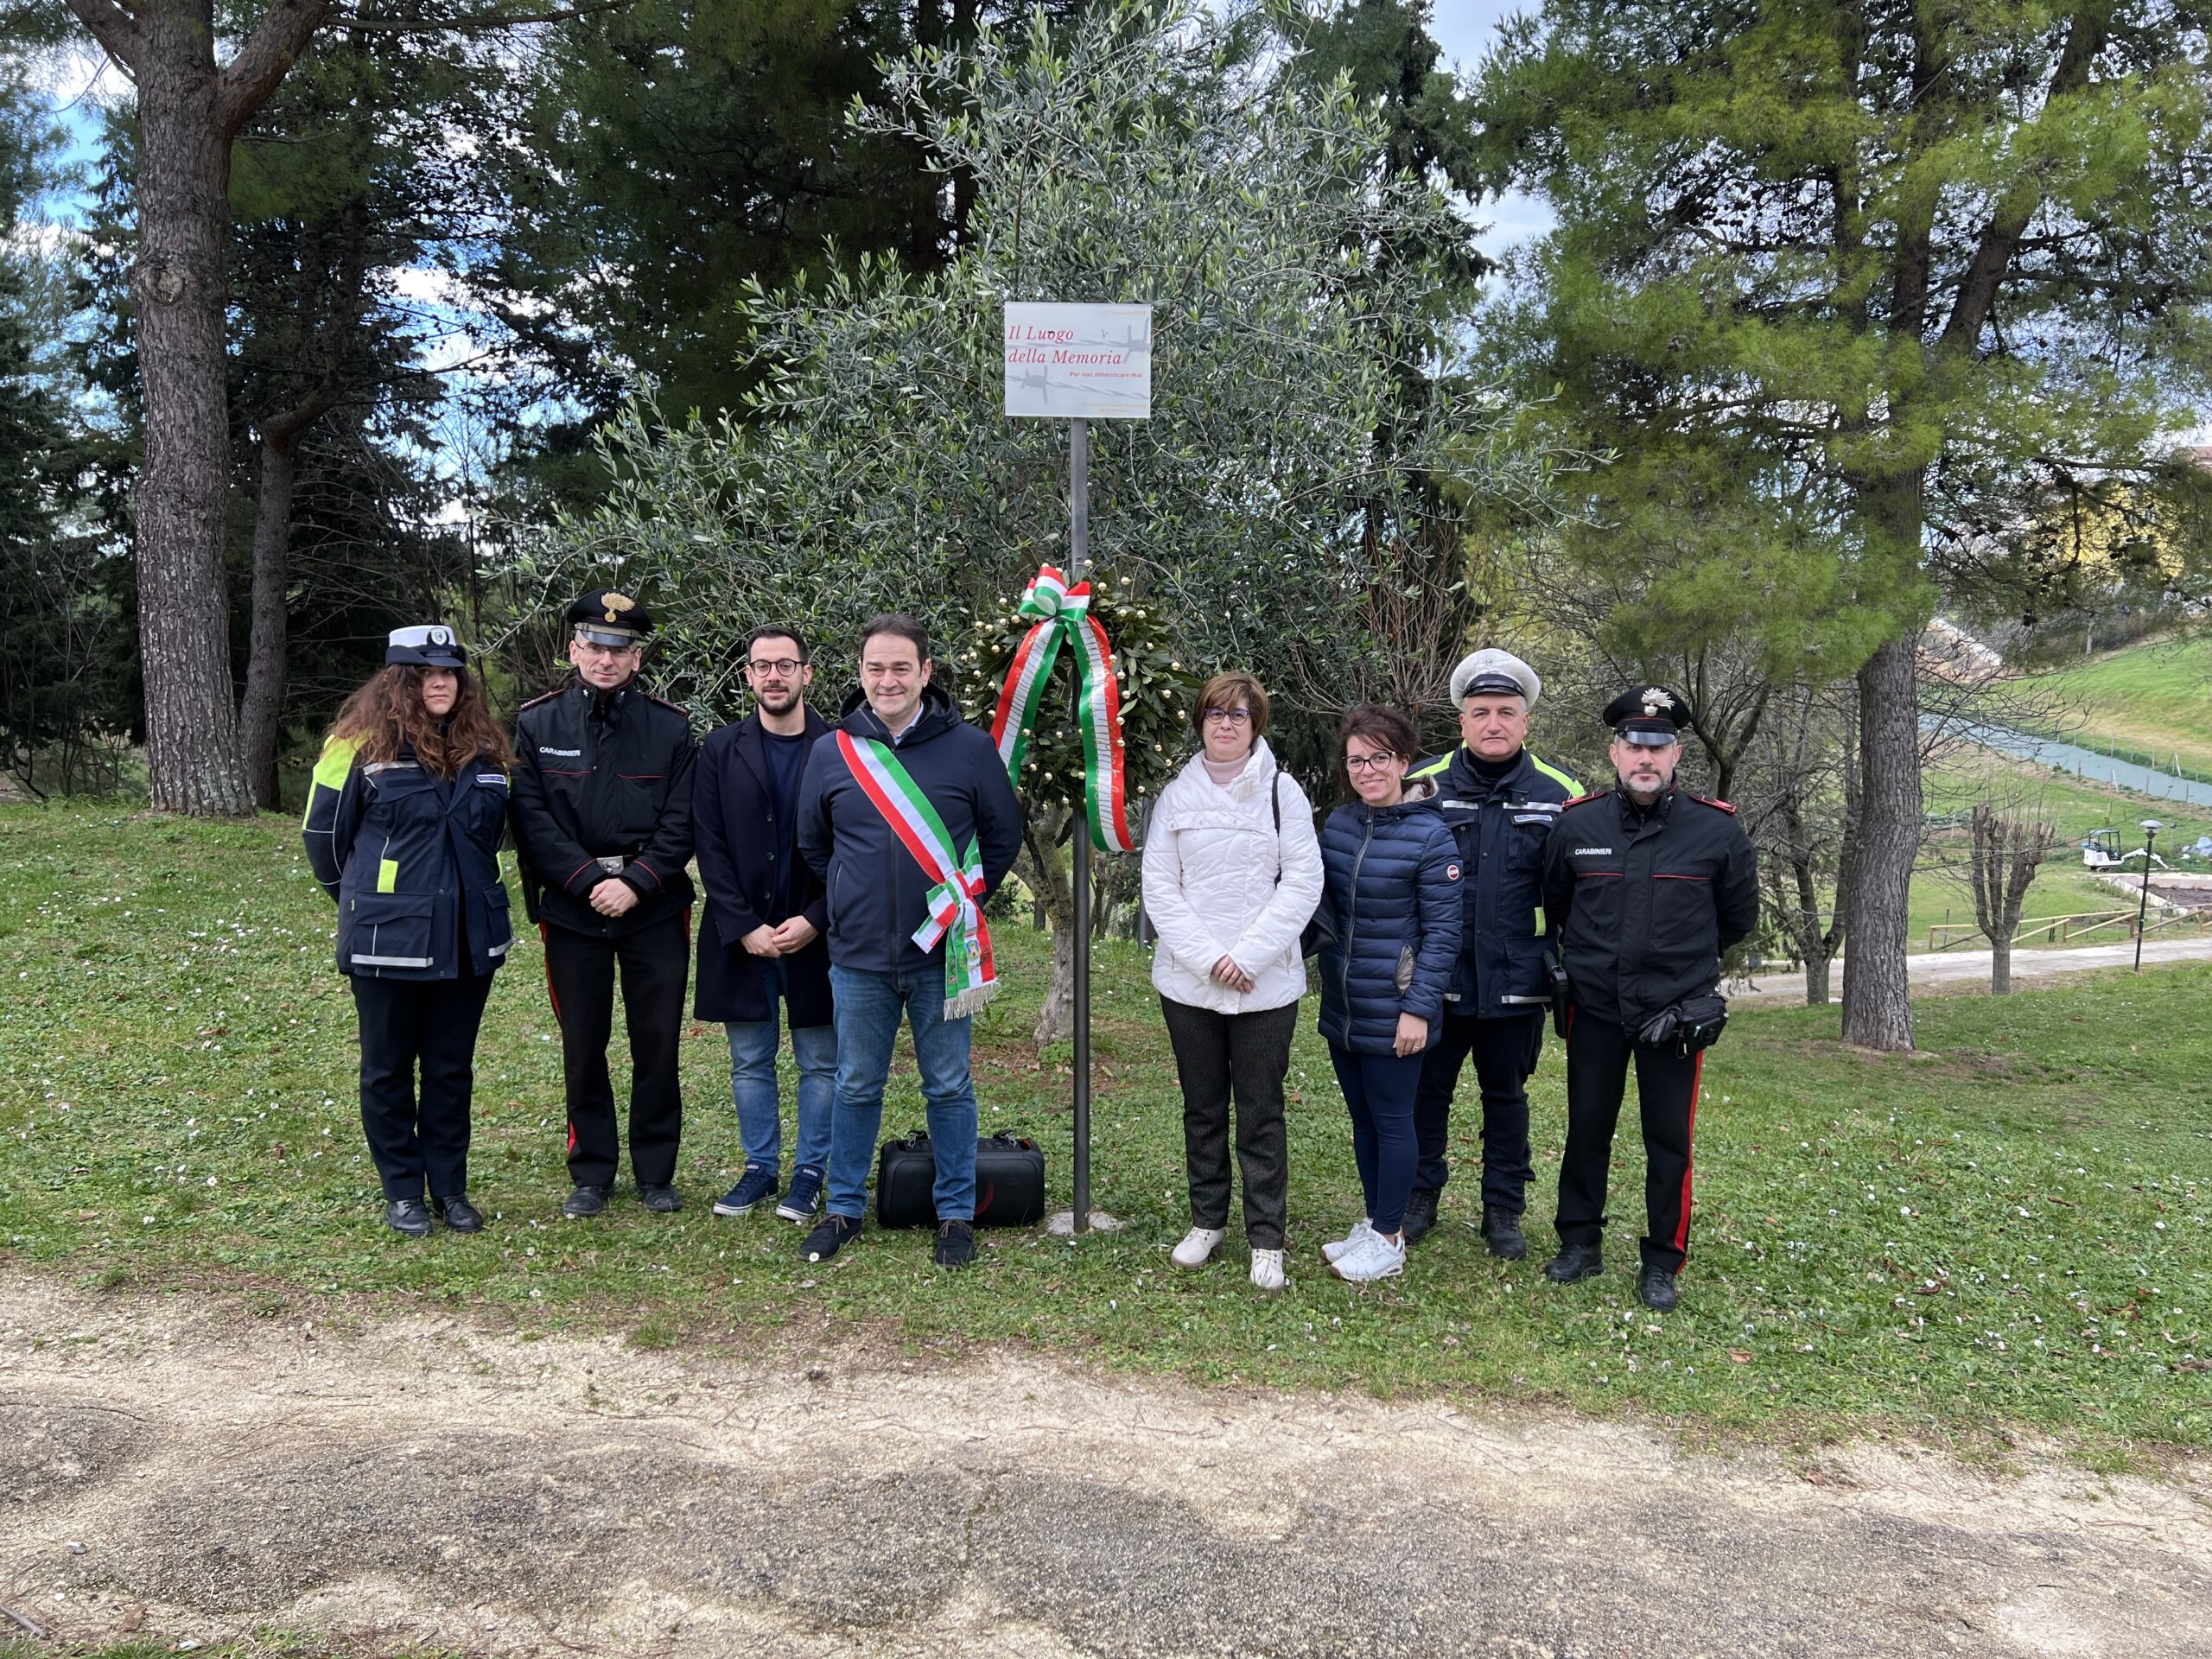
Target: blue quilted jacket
{"x":1389,"y":919}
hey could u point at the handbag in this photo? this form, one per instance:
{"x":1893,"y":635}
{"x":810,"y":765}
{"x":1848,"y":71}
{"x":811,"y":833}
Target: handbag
{"x":1688,"y":1027}
{"x":1010,"y":1182}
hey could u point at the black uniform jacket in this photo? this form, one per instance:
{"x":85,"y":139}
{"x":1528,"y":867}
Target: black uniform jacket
{"x":603,"y":774}
{"x":739,"y":842}
{"x":1645,"y":902}
{"x":412,"y":860}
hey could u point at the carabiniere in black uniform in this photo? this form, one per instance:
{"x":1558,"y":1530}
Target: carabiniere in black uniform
{"x":602,"y":790}
{"x":1645,"y":898}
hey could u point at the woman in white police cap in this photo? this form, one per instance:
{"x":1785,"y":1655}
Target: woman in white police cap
{"x":404,"y":821}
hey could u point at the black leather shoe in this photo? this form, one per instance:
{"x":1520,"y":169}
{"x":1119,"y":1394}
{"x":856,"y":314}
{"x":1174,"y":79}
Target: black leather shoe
{"x":409,"y":1217}
{"x":662,"y":1200}
{"x":1421,"y":1215}
{"x":955,"y":1243}
{"x":1574,"y":1264}
{"x":1503,"y":1228}
{"x":459,"y":1214}
{"x":584,"y":1201}
{"x":1655,"y":1288}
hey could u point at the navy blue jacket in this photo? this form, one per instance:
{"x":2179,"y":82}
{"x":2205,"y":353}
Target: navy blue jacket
{"x":737,"y":843}
{"x":877,"y":893}
{"x":1391,"y":912}
{"x":405,"y":853}
{"x":1501,"y":824}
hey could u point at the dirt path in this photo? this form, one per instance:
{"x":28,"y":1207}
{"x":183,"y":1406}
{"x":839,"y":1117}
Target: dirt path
{"x":424,"y":1484}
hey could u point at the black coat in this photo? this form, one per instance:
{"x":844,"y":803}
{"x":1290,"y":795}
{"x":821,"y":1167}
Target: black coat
{"x":1646,"y":903}
{"x":878,"y":896}
{"x":737,"y":842}
{"x":603,"y":774}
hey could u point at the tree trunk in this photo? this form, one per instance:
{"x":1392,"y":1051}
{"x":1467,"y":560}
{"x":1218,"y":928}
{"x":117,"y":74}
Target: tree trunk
{"x":1816,"y":979}
{"x":1048,"y":872}
{"x":2000,"y":966}
{"x":1877,"y":1001}
{"x":263,"y":703}
{"x":178,"y":291}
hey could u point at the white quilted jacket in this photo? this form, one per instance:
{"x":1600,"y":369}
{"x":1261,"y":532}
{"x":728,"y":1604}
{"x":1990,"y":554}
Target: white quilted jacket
{"x":1211,"y":863}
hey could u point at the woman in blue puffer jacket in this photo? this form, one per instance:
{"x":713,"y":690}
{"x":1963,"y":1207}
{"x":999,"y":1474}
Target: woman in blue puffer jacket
{"x":1389,"y":926}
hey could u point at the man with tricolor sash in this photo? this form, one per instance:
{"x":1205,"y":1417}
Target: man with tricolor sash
{"x":907,"y":815}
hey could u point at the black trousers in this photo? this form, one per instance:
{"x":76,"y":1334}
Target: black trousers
{"x":1246,"y":1056}
{"x":656,"y":965}
{"x":1597,"y":1055}
{"x":430,"y":1024}
{"x":1505,"y":1050}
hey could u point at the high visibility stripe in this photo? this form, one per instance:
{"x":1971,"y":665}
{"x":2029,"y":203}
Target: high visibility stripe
{"x":1442,"y":764}
{"x":387,"y":875}
{"x":1555,"y":774}
{"x":395,"y":962}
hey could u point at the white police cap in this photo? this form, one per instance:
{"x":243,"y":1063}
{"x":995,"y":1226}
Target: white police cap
{"x":426,"y":645}
{"x":1498,"y":672}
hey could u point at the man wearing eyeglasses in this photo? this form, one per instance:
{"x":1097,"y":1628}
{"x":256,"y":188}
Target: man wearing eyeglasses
{"x":762,"y":942}
{"x":603,"y":824}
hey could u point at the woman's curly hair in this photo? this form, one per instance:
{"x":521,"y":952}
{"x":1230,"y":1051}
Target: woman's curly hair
{"x":387,"y":715}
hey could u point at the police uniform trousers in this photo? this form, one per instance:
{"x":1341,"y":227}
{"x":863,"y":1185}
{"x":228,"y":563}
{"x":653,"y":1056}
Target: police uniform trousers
{"x":1598,"y":1056}
{"x":418,"y":1137}
{"x":655,"y":963}
{"x":1504,"y":1049}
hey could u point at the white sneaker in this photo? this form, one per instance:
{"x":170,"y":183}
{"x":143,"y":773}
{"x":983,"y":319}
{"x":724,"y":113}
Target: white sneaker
{"x":1335,"y":1249}
{"x":1198,"y":1244}
{"x":1377,"y":1257}
{"x":1267,"y":1270}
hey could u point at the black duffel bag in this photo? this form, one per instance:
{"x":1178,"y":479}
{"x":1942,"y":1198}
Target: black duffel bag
{"x":1010,"y":1182}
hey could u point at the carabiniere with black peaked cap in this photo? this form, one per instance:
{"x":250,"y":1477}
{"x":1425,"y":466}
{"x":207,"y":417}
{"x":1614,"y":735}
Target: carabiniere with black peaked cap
{"x":604,"y":617}
{"x":1651,"y":718}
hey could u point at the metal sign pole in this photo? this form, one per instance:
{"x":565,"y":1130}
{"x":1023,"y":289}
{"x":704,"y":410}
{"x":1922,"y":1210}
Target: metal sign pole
{"x":1079,"y":565}
{"x":2142,"y":908}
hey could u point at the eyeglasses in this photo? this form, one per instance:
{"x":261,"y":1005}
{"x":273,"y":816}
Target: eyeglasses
{"x":1369,"y":762}
{"x":785,"y":666}
{"x":592,"y":648}
{"x":1228,"y":716}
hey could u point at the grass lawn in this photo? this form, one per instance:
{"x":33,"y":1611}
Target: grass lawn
{"x":2008,"y":1231}
{"x":2156,"y":697}
{"x":2064,"y":887}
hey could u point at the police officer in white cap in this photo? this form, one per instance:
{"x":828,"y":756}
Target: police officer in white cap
{"x":1500,"y":801}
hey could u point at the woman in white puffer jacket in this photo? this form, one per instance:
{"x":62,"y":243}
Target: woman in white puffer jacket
{"x":1232,"y":874}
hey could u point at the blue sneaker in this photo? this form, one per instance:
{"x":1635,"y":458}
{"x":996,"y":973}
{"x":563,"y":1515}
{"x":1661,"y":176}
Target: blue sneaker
{"x":757,"y":1185}
{"x":805,"y":1196}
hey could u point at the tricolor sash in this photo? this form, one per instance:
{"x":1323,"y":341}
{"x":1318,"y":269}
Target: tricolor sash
{"x":1064,"y":613}
{"x":956,"y":910}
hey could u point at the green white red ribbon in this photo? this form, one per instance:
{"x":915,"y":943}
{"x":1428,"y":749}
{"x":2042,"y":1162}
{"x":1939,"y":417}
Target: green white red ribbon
{"x":954,"y":898}
{"x":1063,"y":614}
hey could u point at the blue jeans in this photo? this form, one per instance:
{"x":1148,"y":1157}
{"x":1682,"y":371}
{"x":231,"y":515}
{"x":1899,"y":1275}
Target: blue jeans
{"x":753,"y":1084}
{"x":1379,"y":1091}
{"x":869,"y":1006}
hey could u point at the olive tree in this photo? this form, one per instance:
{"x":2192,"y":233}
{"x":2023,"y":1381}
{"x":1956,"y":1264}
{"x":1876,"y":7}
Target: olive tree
{"x":1151,"y":156}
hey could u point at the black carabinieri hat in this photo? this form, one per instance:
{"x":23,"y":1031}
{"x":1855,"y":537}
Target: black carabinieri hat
{"x":429,"y":644}
{"x":607,"y":618}
{"x":1653,"y":717}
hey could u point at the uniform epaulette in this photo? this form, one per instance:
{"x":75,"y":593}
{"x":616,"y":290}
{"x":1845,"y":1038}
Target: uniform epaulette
{"x":556,"y":692}
{"x":649,"y":698}
{"x":1594,"y":795}
{"x":1707,"y":800}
